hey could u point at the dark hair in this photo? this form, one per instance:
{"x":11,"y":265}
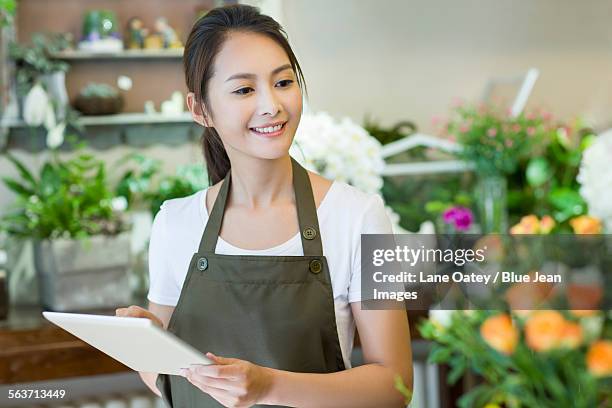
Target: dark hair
{"x":204,"y":42}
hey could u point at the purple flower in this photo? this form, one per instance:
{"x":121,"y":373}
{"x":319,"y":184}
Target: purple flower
{"x":460,"y":217}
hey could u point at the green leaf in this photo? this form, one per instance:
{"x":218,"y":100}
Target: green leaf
{"x":538,"y":171}
{"x":17,"y":188}
{"x":567,"y":201}
{"x":23,"y":171}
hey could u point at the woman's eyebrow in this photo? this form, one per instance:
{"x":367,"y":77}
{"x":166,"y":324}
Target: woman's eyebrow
{"x":251,"y":76}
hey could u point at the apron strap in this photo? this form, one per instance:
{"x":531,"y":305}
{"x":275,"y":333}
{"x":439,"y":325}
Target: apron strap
{"x":304,"y":203}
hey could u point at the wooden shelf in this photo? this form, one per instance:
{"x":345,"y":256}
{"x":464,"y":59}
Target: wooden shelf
{"x":118,"y":119}
{"x":70,"y":55}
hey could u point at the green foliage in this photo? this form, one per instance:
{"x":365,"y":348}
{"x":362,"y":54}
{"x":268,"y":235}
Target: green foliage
{"x":420,"y":198}
{"x":143,"y":185}
{"x":495,"y":141}
{"x":7,"y":12}
{"x":36,"y":59}
{"x":68,"y":198}
{"x":99,"y":90}
{"x":546,"y":184}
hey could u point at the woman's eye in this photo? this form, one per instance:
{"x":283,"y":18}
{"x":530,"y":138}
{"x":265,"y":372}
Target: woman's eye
{"x":286,"y":82}
{"x":242,"y":91}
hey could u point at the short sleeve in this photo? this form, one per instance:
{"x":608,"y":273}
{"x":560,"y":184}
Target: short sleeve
{"x":163,"y":288}
{"x":374,"y":221}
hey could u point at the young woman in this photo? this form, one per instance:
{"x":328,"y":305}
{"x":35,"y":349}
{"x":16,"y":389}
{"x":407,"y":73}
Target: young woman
{"x":261,"y":271}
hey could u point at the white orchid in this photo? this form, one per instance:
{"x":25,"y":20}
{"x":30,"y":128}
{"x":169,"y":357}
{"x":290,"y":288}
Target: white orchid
{"x":35,"y":106}
{"x":595,"y":178}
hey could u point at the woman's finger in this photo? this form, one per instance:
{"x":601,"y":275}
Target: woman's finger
{"x":220,"y":383}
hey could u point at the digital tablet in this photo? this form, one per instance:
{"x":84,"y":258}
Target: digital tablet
{"x":134,"y":341}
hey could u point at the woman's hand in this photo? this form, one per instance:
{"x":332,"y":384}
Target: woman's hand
{"x":230,"y":381}
{"x":137,"y":311}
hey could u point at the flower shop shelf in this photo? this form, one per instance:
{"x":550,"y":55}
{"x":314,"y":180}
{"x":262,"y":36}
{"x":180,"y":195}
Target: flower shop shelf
{"x":75,"y":55}
{"x":105,"y":131}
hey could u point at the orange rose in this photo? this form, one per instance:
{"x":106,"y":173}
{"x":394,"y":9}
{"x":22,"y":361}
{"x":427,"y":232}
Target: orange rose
{"x":529,"y":224}
{"x":572,"y":335}
{"x":544,"y":330}
{"x":528,"y":295}
{"x":586,"y":225}
{"x":599,"y":358}
{"x":546,"y":224}
{"x":499,"y":333}
{"x":584,"y":296}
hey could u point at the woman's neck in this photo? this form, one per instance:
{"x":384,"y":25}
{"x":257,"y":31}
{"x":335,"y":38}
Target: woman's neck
{"x":261,"y":183}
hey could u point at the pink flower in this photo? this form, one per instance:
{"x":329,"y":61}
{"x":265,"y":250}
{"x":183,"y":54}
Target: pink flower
{"x":530,"y":116}
{"x":530,"y":131}
{"x":436,"y":120}
{"x":546,"y":116}
{"x":509,"y":143}
{"x":492,"y":132}
{"x":460,"y":217}
{"x":516,"y":128}
{"x":464,"y":128}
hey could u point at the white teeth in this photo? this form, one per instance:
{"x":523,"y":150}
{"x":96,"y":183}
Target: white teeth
{"x":269,"y":129}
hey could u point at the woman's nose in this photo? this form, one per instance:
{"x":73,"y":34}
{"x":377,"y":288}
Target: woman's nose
{"x":268,"y":103}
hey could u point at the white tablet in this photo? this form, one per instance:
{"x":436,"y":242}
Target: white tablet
{"x":136,"y":342}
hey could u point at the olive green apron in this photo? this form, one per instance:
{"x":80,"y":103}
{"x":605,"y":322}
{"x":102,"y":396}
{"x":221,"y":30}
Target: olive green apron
{"x":274,"y":311}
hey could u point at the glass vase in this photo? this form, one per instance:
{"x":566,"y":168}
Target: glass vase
{"x":491,"y":193}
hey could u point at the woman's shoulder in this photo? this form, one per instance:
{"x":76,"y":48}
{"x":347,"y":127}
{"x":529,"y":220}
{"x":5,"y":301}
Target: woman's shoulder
{"x":174,"y":208}
{"x":353,"y":198}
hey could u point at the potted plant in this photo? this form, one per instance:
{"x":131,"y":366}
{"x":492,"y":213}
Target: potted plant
{"x":496,"y":142}
{"x":79,"y":234}
{"x":35,"y":65}
{"x":98,"y":99}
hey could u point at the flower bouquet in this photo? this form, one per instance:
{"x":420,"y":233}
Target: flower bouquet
{"x":542,"y":358}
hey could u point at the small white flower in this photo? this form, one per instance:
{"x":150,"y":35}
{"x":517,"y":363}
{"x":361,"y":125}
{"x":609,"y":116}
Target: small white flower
{"x":55,"y":136}
{"x":124,"y":82}
{"x":35,"y":106}
{"x":119,"y":203}
{"x":442,"y":317}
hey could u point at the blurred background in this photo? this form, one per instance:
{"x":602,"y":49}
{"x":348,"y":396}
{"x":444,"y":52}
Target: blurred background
{"x":467,"y":117}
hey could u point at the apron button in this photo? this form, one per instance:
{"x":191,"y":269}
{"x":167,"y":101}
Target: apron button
{"x":315,"y":266}
{"x":202,"y":264}
{"x":309,"y":233}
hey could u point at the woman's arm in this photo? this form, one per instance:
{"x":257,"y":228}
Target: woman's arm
{"x":385,"y":340}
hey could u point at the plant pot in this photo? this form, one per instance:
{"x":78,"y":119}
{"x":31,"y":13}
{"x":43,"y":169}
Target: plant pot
{"x":98,"y":105}
{"x":79,"y":275}
{"x":55,"y":84}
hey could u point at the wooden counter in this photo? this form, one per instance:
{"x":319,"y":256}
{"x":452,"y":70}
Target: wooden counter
{"x":34,"y":349}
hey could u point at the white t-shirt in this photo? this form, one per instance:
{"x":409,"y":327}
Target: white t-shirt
{"x":344,"y":214}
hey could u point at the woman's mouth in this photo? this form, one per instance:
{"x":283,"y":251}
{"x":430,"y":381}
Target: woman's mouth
{"x":271,"y":131}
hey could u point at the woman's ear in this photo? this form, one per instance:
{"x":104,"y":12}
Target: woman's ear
{"x":197,"y":112}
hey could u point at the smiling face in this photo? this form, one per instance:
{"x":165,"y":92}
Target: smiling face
{"x":254,"y":100}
